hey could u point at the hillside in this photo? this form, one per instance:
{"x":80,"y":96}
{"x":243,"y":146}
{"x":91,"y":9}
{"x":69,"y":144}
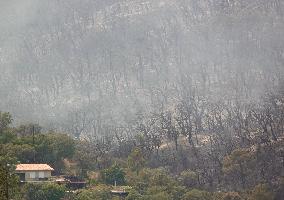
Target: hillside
{"x":80,"y":66}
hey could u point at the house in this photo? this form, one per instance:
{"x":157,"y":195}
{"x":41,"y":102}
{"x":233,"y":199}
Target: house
{"x":33,"y":172}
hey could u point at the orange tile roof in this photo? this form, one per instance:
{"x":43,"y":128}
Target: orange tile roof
{"x":33,"y":167}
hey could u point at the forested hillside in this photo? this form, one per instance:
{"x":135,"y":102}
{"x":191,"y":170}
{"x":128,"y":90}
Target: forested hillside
{"x":83,"y":66}
{"x":178,"y":99}
{"x":221,"y":167}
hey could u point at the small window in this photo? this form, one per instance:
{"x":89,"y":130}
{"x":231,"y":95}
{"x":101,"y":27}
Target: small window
{"x":32,"y":175}
{"x":41,"y":174}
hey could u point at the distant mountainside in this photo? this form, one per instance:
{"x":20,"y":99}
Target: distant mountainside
{"x":85,"y":66}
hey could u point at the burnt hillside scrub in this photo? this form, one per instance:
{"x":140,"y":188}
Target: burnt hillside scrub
{"x":191,"y":91}
{"x":83,"y":66}
{"x":235,"y":152}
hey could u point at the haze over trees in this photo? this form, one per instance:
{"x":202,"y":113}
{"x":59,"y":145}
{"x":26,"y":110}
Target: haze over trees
{"x":193,"y":87}
{"x":86,"y":66}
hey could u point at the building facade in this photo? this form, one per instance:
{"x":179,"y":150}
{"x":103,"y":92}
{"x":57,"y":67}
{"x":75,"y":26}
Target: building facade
{"x":34,"y":172}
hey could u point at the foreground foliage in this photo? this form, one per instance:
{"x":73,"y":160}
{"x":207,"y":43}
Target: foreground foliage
{"x":48,"y":191}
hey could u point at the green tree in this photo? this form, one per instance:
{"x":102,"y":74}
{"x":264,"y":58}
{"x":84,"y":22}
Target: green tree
{"x":231,"y":196}
{"x":62,"y":146}
{"x":53,"y":191}
{"x":197,"y":195}
{"x":86,"y":157}
{"x":8,"y":180}
{"x":160,"y":196}
{"x":161,"y":177}
{"x":33,"y":192}
{"x":188,"y":178}
{"x":136,"y":160}
{"x":50,"y":191}
{"x":261,"y":192}
{"x":98,"y":193}
{"x":6,"y":134}
{"x":5,"y":120}
{"x":23,"y":152}
{"x":238,"y":166}
{"x":134,"y":195}
{"x":113,"y":174}
{"x":49,"y":148}
{"x":28,"y":129}
{"x":176,"y":192}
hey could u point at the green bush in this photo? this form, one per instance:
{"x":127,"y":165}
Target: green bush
{"x":93,"y":195}
{"x":161,"y":196}
{"x":197,"y":195}
{"x":188,"y":178}
{"x":50,"y":191}
{"x":100,"y":192}
{"x":261,"y":192}
{"x":113,"y":174}
{"x":228,"y":196}
{"x":134,"y":195}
